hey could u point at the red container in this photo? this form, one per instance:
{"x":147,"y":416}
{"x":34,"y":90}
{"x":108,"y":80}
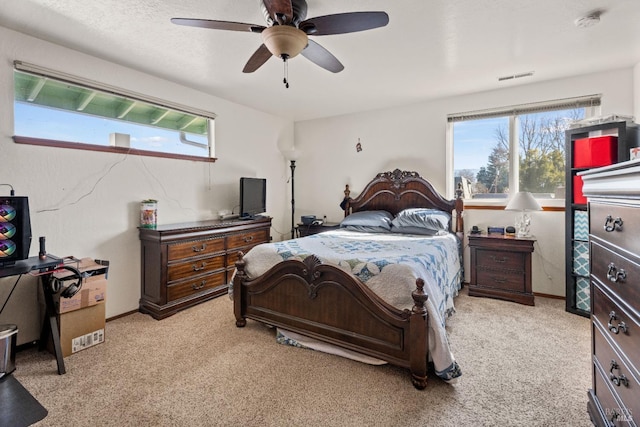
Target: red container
{"x":595,"y":151}
{"x":578,"y":197}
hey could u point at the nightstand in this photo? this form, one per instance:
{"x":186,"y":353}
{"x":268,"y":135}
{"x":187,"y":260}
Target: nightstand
{"x":307,"y":230}
{"x":501,"y":267}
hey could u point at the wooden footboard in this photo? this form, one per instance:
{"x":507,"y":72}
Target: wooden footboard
{"x":329,"y":304}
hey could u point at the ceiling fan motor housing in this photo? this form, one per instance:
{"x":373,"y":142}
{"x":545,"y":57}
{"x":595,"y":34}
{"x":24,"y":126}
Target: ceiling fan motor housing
{"x":284,"y":40}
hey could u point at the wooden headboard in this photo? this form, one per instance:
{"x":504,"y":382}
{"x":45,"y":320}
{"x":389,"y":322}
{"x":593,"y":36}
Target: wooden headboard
{"x":398,"y":190}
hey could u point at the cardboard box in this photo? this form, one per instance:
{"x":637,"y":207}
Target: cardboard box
{"x":81,"y":329}
{"x":94,"y":285}
{"x":595,"y":151}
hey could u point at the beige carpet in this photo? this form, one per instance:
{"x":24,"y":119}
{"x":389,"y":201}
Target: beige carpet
{"x":522,"y":366}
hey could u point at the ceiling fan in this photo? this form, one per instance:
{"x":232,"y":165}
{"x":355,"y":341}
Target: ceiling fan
{"x":287,"y":31}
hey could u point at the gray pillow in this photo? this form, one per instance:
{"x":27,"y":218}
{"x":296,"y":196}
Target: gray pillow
{"x":378,"y":219}
{"x":365,"y":229}
{"x":430,"y":221}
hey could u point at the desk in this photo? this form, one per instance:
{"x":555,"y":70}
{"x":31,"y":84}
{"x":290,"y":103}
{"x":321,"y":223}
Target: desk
{"x":43,"y":268}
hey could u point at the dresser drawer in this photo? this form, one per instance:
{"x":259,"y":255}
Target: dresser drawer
{"x":620,"y":376}
{"x":241,"y":240}
{"x":189,"y":287}
{"x":622,"y":328}
{"x":195,"y":248}
{"x":614,"y":413}
{"x":501,"y":260}
{"x":603,"y":217}
{"x":232,"y":256}
{"x":618,"y":273}
{"x":490,"y":278}
{"x":191,"y":268}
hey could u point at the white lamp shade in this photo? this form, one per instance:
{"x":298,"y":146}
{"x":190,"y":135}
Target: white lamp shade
{"x":292,"y":154}
{"x":523,"y":201}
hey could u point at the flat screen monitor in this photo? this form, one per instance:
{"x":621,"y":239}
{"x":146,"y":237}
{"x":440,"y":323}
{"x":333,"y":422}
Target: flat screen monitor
{"x":15,"y":230}
{"x":253,"y":197}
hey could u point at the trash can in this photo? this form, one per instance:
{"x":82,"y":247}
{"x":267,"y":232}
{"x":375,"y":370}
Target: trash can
{"x":8,"y":337}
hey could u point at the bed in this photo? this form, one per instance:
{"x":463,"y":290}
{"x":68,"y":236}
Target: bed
{"x":317,"y":295}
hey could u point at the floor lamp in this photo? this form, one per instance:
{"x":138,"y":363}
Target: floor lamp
{"x":293,"y":198}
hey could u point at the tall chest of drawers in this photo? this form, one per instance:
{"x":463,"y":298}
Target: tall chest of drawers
{"x":186,"y":264}
{"x":614,"y":241}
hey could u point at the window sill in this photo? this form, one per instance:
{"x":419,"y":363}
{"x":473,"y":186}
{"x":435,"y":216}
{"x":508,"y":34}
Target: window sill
{"x":107,"y":149}
{"x":550,"y":205}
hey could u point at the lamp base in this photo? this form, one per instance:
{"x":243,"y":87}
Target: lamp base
{"x":523,"y":224}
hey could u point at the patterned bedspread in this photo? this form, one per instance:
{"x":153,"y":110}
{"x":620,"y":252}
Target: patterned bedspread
{"x":389,"y":264}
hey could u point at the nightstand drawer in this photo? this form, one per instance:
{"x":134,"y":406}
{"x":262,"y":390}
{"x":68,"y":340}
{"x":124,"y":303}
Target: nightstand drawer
{"x":502,"y":260}
{"x":501,"y":267}
{"x":490,"y":278}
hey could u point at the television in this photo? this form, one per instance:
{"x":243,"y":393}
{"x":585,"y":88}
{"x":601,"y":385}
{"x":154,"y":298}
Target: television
{"x":253,"y":197}
{"x":15,"y":230}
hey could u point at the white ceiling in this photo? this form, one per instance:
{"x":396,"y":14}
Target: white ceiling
{"x":430,"y":49}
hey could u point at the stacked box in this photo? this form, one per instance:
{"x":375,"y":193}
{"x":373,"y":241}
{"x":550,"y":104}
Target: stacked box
{"x":595,"y":151}
{"x":81,"y":318}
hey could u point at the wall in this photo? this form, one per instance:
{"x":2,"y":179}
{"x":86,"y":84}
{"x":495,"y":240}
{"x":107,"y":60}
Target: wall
{"x":87,"y":203}
{"x":413,"y":138}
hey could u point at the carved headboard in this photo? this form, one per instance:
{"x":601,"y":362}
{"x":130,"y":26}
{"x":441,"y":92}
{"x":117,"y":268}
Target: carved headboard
{"x":397,"y":190}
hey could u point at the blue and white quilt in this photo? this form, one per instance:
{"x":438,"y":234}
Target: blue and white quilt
{"x":389,"y":264}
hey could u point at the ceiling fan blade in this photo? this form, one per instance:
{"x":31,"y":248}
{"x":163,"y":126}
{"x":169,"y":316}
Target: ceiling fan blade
{"x":258,"y":58}
{"x":218,"y":25}
{"x":322,"y":57}
{"x":280,"y":11}
{"x":341,"y":23}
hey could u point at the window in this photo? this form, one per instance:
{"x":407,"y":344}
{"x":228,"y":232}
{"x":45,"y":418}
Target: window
{"x":52,"y":108}
{"x":521,"y":148}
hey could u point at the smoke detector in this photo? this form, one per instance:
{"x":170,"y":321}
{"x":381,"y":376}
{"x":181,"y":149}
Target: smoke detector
{"x":588,"y":20}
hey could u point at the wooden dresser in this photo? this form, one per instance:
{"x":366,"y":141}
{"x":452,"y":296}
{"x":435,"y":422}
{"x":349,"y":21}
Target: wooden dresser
{"x":186,"y":264}
{"x":501,"y":267}
{"x":614,"y":242}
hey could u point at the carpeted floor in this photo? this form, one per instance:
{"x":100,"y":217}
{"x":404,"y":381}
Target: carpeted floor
{"x":522,"y":366}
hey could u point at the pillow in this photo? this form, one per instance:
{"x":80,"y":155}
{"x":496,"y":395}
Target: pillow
{"x":378,"y":219}
{"x":428,"y":221}
{"x":417,"y":230}
{"x":365,"y":229}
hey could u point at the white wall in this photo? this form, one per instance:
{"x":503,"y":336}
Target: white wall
{"x":87,"y":204}
{"x":413,"y":138}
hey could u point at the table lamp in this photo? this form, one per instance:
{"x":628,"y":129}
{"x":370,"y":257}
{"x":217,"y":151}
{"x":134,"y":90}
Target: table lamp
{"x":523,"y":202}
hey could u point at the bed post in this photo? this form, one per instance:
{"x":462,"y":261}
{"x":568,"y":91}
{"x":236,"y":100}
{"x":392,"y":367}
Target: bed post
{"x":345,"y":202}
{"x":240,"y":276}
{"x":419,"y":336}
{"x":459,"y":206}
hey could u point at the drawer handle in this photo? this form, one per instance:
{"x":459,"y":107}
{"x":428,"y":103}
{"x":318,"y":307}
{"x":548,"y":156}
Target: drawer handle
{"x":200,"y":249}
{"x":203,"y":265}
{"x":614,"y":275}
{"x":611,"y":224}
{"x":615,"y":329}
{"x":200,"y":286}
{"x":617,"y":380}
{"x":248,"y":239}
{"x":501,"y":260}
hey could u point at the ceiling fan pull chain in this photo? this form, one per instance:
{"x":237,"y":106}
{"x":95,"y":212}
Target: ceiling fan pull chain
{"x":286,"y":72}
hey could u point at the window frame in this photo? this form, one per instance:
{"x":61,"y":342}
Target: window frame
{"x":59,"y":76}
{"x":591,"y":103}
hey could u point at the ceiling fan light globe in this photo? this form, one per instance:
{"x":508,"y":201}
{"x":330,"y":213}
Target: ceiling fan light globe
{"x":284,"y":40}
